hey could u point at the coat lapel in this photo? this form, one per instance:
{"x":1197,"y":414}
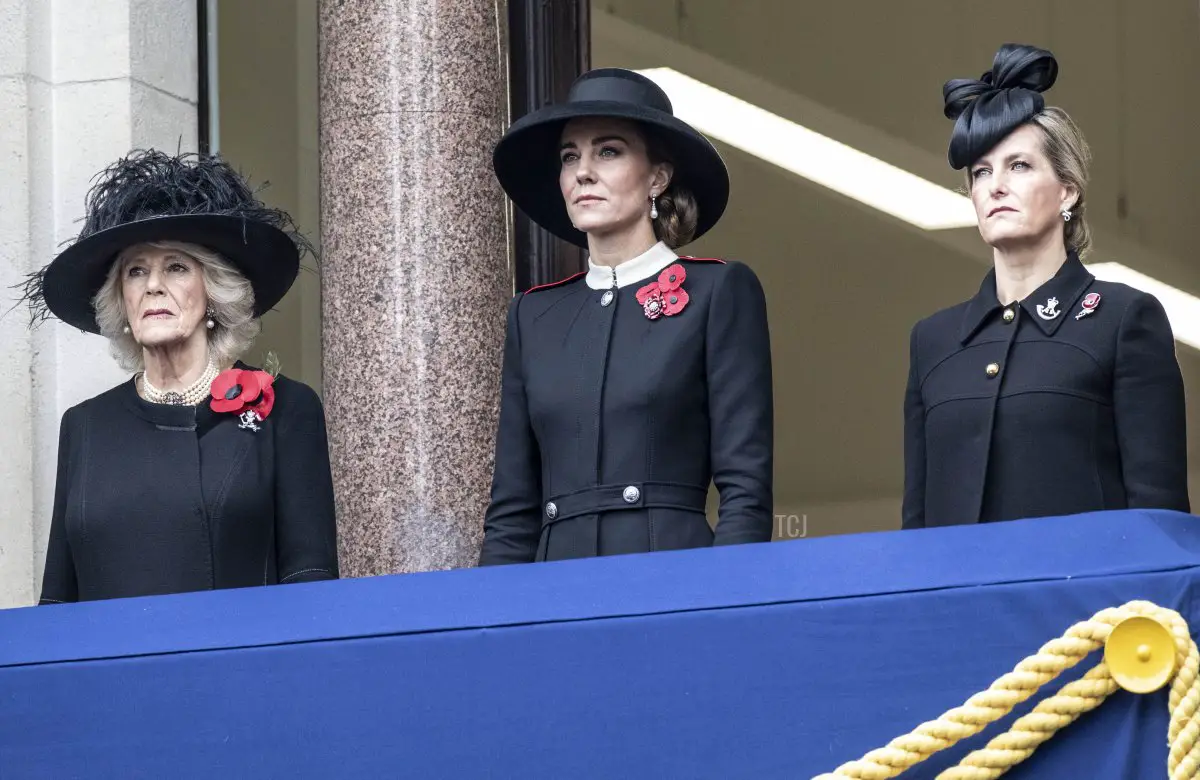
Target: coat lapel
{"x":1051,"y":303}
{"x":1048,"y":305}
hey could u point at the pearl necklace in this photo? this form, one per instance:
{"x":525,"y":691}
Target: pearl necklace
{"x":189,"y":396}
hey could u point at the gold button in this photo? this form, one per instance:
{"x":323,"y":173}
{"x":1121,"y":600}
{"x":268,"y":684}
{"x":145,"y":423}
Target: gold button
{"x":993,"y":369}
{"x":1009,"y":315}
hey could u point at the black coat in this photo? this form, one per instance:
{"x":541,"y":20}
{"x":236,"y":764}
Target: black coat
{"x":1010,"y":414}
{"x":154,"y":499}
{"x":613,"y":425}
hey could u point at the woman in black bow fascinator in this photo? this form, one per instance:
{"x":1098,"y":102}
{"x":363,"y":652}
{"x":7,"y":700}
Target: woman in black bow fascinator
{"x":1049,"y":392}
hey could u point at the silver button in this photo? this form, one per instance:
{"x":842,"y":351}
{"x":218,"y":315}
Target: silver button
{"x":631,"y":494}
{"x":606,"y":298}
{"x":1009,"y":315}
{"x":551,"y":510}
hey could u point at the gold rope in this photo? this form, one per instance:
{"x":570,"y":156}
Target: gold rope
{"x":1060,"y":710}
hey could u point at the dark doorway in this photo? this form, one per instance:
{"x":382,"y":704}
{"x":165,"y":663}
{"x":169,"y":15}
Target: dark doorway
{"x":549,"y":46}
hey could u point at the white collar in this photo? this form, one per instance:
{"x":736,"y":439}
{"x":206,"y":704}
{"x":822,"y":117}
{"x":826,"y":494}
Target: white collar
{"x":645,"y":265}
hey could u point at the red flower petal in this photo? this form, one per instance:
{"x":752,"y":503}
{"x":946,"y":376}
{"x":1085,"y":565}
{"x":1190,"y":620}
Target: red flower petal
{"x":251,"y":387}
{"x":221,"y":385}
{"x":266,"y":393}
{"x":647,"y":292}
{"x":671,"y":278}
{"x":222,"y":405}
{"x":674,"y":301}
{"x":254,"y":392}
{"x":266,"y":403}
{"x":225,"y":381}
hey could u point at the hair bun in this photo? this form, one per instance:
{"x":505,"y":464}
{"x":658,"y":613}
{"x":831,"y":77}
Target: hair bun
{"x":987,"y":109}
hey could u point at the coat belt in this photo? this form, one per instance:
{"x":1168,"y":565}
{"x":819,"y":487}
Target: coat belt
{"x":632,"y":495}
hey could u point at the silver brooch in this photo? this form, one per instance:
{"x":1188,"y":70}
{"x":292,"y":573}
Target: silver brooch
{"x":249,"y":420}
{"x":1050,"y":310}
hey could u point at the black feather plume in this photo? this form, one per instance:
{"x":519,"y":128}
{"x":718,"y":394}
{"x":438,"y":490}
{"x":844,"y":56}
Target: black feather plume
{"x":31,"y":296}
{"x":150,"y":183}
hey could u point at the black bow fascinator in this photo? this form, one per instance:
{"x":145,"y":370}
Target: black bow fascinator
{"x":987,"y":109}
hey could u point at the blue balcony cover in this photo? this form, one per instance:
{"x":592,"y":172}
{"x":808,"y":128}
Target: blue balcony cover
{"x":765,"y":661}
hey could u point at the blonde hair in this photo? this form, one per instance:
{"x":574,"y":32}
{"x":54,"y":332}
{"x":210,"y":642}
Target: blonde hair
{"x":1070,"y":157}
{"x":229,"y":295}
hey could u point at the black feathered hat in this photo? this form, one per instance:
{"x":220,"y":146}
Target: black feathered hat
{"x":987,"y":109}
{"x":152,"y":196}
{"x":527,"y":164}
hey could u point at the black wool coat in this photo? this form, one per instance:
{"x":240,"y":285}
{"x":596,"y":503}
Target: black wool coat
{"x":154,"y":499}
{"x":613,"y":425}
{"x":1069,"y":401}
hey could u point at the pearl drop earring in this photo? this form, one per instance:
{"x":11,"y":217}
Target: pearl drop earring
{"x":210,"y":323}
{"x":125,"y":329}
{"x":653,"y":207}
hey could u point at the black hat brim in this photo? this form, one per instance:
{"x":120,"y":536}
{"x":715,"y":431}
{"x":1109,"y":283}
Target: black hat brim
{"x":265,"y":255}
{"x":527,"y":164}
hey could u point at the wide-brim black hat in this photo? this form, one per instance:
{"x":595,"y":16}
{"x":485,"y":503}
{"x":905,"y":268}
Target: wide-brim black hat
{"x":527,"y":164}
{"x":151,"y":196}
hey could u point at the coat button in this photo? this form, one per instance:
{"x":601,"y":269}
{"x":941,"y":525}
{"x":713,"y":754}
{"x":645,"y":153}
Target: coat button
{"x":993,"y":369}
{"x":551,"y":510}
{"x":631,"y":495}
{"x":1009,"y":315}
{"x":606,"y":298}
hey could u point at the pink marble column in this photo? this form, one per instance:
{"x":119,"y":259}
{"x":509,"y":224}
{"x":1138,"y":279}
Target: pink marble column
{"x":415,"y":274}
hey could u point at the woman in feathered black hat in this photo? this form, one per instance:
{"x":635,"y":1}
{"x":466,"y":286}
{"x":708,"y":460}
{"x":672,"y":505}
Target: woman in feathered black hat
{"x":630,"y":388}
{"x":1049,"y":392}
{"x":200,"y":472}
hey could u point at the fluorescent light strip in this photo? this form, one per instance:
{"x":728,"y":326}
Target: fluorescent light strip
{"x":816,"y":157}
{"x":869,"y":180}
{"x":1183,"y":309}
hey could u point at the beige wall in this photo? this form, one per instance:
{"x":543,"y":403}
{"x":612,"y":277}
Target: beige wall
{"x":267,"y":59}
{"x":81,"y":84}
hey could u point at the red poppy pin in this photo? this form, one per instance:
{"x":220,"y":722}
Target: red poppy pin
{"x":1090,"y":302}
{"x":665,"y":295}
{"x":248,"y":394}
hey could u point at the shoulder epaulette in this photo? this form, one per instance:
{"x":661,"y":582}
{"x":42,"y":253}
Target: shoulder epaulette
{"x":559,"y":283}
{"x":702,"y":259}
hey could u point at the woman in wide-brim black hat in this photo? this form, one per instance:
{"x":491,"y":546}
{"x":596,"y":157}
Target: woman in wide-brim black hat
{"x":199,"y":472}
{"x":1049,"y":392}
{"x":631,"y":388}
